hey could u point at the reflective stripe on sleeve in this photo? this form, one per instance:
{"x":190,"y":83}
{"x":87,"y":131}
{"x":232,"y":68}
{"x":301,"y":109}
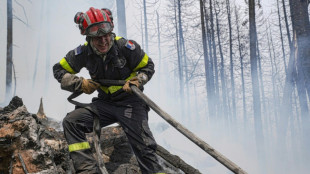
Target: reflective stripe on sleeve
{"x":142,"y":63}
{"x":63,"y":62}
{"x":78,"y":146}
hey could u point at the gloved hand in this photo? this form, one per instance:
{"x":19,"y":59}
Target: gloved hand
{"x":133,"y":81}
{"x":140,"y":80}
{"x":143,"y":78}
{"x":71,"y":82}
{"x":89,"y":86}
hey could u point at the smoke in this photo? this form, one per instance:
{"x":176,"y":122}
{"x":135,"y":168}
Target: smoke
{"x":236,"y":142}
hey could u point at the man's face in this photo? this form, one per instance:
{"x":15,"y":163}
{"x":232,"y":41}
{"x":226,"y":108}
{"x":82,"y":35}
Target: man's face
{"x":102,"y":43}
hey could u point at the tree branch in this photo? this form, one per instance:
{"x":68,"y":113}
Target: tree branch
{"x":23,"y":10}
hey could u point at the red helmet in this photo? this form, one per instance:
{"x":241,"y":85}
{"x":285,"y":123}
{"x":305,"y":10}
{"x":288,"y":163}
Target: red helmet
{"x":94,"y":22}
{"x":108,"y":11}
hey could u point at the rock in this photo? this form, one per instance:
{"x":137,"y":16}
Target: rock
{"x":115,"y":145}
{"x":14,"y":104}
{"x":37,"y":145}
{"x":26,"y":143}
{"x":127,"y":168}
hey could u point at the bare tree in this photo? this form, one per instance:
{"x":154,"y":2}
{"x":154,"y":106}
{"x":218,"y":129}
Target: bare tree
{"x":273,"y":71}
{"x":259,"y":137}
{"x":301,"y":27}
{"x":290,"y":79}
{"x":121,"y":18}
{"x":9,"y":52}
{"x":158,"y":39}
{"x":48,"y":56}
{"x":215,"y":64}
{"x":182,"y":53}
{"x":281,"y":35}
{"x":178,"y":25}
{"x":210,"y":88}
{"x":301,"y":30}
{"x":145,"y":28}
{"x":222,"y":67}
{"x":260,"y":21}
{"x":232,"y":80}
{"x":241,"y":57}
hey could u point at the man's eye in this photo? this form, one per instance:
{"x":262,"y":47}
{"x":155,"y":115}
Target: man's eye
{"x":96,"y":38}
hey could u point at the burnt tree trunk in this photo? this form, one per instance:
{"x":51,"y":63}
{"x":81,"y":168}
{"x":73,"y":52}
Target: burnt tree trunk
{"x":301,"y":30}
{"x":281,"y":37}
{"x":9,"y":52}
{"x":232,"y":79}
{"x":121,"y":18}
{"x":222,"y":70}
{"x":261,"y":77}
{"x":240,"y":48}
{"x":178,"y":25}
{"x":301,"y":27}
{"x":48,"y":47}
{"x":259,"y":137}
{"x":206,"y":59}
{"x":145,"y":28}
{"x":183,"y":64}
{"x":216,"y":80}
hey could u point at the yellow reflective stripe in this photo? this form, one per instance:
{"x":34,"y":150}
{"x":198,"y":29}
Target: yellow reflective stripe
{"x":78,"y":146}
{"x":117,"y":37}
{"x":113,"y":89}
{"x":105,"y":89}
{"x":143,"y":62}
{"x":86,"y":43}
{"x":131,"y":75}
{"x":63,"y":62}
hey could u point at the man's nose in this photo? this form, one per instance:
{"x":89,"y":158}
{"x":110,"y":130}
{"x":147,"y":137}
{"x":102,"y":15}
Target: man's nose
{"x":102,"y":39}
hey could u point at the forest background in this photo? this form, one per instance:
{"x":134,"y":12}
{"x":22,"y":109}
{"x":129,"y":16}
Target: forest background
{"x":236,"y":73}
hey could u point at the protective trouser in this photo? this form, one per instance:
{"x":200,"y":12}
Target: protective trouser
{"x":132,"y":118}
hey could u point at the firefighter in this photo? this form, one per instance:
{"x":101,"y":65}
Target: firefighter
{"x":107,"y":56}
